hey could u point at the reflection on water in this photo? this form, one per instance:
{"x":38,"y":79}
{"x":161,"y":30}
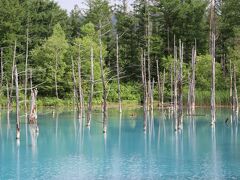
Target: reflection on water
{"x":66,"y":149}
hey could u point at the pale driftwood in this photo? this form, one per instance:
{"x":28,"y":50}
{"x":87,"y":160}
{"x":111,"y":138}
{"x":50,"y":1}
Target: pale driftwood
{"x":33,"y":107}
{"x":89,"y":112}
{"x":103,"y":83}
{"x":26,"y":74}
{"x":118,"y":76}
{"x":17,"y":104}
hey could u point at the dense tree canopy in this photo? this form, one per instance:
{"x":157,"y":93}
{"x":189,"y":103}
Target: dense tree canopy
{"x":55,"y":35}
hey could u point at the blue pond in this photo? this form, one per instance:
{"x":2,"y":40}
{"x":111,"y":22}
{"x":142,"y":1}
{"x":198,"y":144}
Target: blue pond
{"x":66,"y":149}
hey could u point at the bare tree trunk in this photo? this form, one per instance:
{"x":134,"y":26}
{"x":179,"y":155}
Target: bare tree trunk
{"x":194,"y":56}
{"x":8,"y":97}
{"x":179,"y":85}
{"x":231,"y":86}
{"x":80,"y":92}
{"x":171,"y":74}
{"x":159,"y":86}
{"x":55,"y":75}
{"x":30,"y":78}
{"x":235,"y":90}
{"x":89,"y":113}
{"x":103,"y":84}
{"x":33,"y":107}
{"x":175,"y":75}
{"x":148,"y":57}
{"x":144,"y":79}
{"x":152,"y":95}
{"x":26,"y":76}
{"x":75,"y":98}
{"x":189,"y":94}
{"x":213,"y":29}
{"x":163,"y":87}
{"x":17,"y":104}
{"x":1,"y":67}
{"x":118,"y":78}
{"x":13,"y":66}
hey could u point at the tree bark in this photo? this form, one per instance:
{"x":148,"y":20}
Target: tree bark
{"x":118,"y":77}
{"x":89,"y":113}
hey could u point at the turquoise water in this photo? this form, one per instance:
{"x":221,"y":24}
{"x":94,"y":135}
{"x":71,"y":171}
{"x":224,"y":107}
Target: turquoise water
{"x":66,"y":149}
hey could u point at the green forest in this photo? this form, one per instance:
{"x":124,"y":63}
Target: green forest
{"x":52,"y":48}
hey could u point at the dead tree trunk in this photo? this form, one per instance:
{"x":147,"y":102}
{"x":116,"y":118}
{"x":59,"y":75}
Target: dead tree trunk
{"x":1,"y":67}
{"x":194,"y":56}
{"x":55,"y":75}
{"x":26,"y":75}
{"x":118,"y":77}
{"x":103,"y":83}
{"x":179,"y":86}
{"x":17,"y":104}
{"x":89,"y":113}
{"x":235,"y":98}
{"x":144,"y":79}
{"x":189,"y":94}
{"x":30,"y":78}
{"x":213,"y":37}
{"x":152,"y":95}
{"x":8,"y":97}
{"x":159,"y":86}
{"x":75,"y":98}
{"x":171,"y":74}
{"x":80,"y":92}
{"x":231,"y":86}
{"x":163,"y":88}
{"x":175,"y":76}
{"x":13,"y":66}
{"x":33,"y":107}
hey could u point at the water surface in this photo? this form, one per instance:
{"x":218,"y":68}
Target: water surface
{"x":66,"y":149}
